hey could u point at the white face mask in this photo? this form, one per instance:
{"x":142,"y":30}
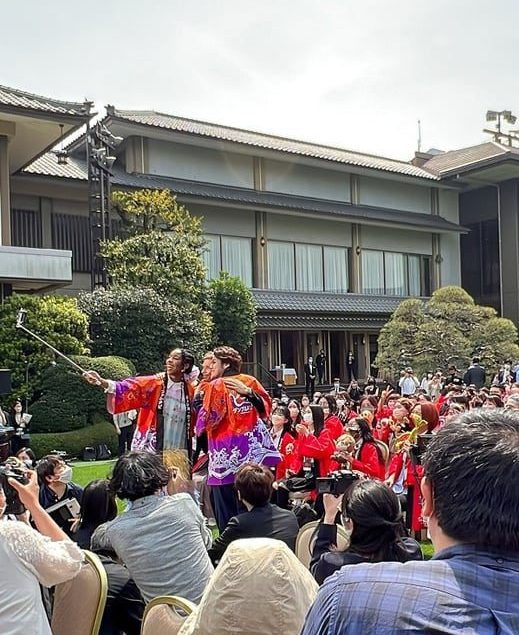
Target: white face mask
{"x":307,"y":417}
{"x":340,"y":403}
{"x":66,"y":475}
{"x":28,"y":463}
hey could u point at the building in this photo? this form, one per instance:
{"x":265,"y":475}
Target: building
{"x":29,"y":126}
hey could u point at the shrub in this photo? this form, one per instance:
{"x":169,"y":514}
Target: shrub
{"x":68,"y":402}
{"x":73,"y":442}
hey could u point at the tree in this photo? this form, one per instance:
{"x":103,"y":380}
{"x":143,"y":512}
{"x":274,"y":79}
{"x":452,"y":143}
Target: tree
{"x":143,"y":326}
{"x":56,"y":319}
{"x":161,"y":246}
{"x":233,"y":311}
{"x":449,"y":329}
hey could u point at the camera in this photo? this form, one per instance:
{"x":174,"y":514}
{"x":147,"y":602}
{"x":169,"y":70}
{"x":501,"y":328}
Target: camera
{"x":336,"y":483}
{"x":417,"y":450}
{"x":19,"y":473}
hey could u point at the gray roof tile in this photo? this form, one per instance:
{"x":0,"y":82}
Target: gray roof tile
{"x":14,"y":98}
{"x":311,"y":322}
{"x":76,"y":169}
{"x":466,"y":158}
{"x":268,"y":142}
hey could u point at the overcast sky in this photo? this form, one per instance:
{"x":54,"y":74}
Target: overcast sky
{"x":352,"y":74}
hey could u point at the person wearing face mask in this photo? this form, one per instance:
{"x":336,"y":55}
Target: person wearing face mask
{"x":55,"y":479}
{"x":331,"y":421}
{"x":314,"y":441}
{"x":27,"y":456}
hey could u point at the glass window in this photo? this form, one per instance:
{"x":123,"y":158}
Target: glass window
{"x":212,"y":256}
{"x":396,"y":278}
{"x":372,"y":272}
{"x":413,"y":269}
{"x":281,"y":266}
{"x":237,"y":258}
{"x":336,"y":269}
{"x":309,"y":267}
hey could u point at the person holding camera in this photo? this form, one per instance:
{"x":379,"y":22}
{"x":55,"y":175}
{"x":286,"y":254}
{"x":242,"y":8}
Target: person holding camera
{"x":371,"y":514}
{"x":408,"y":383}
{"x":29,"y":558}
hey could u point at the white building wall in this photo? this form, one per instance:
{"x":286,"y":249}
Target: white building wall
{"x":400,"y":240}
{"x":308,"y":230}
{"x":450,"y":243}
{"x":394,"y":195}
{"x":301,"y":180}
{"x":199,"y":164}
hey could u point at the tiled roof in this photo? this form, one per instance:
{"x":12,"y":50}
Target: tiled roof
{"x":268,"y":142}
{"x":76,"y":169}
{"x":317,"y":322}
{"x":14,"y":98}
{"x":304,"y":303}
{"x":469,"y":157}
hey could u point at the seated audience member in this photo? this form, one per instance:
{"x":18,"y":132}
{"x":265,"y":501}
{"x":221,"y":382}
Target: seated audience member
{"x":368,"y":457}
{"x":29,"y":558}
{"x":27,"y":456}
{"x":258,"y":587}
{"x":124,"y":604}
{"x":162,"y":539}
{"x":470,"y":585}
{"x":55,"y":478}
{"x":97,"y":507}
{"x":371,"y":513}
{"x":262,"y":519}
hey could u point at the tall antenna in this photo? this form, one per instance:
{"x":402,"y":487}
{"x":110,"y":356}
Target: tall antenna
{"x":419,"y":136}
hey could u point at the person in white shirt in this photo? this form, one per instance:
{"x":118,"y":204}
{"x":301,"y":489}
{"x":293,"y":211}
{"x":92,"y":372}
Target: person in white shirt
{"x":124,"y":424}
{"x":408,"y":383}
{"x":29,"y":558}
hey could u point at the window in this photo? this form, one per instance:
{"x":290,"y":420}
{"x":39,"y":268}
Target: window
{"x":231,"y":254}
{"x":26,"y":228}
{"x":281,"y":266}
{"x":391,"y":273}
{"x":309,"y":267}
{"x":73,"y":233}
{"x":336,"y":269}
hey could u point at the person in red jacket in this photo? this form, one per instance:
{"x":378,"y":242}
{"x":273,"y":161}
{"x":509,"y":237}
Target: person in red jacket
{"x":368,"y":458}
{"x":332,"y":423}
{"x":282,"y":437}
{"x":314,"y":442}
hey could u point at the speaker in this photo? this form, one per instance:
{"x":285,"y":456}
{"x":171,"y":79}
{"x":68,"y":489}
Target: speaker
{"x":89,"y":454}
{"x":5,"y":381}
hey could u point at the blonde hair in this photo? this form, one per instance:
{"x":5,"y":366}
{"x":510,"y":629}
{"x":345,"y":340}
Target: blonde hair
{"x":177,"y":464}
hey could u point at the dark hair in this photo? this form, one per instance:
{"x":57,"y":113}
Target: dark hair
{"x":298,"y":419}
{"x":283,"y":411}
{"x":138,"y":474}
{"x":46,"y":467}
{"x":317,"y":418}
{"x":366,"y":434}
{"x":371,"y":399}
{"x":254,"y":483}
{"x":377,"y":521}
{"x":29,"y":453}
{"x":497,"y":401}
{"x":475,"y":360}
{"x":332,"y":403}
{"x":472,"y":465}
{"x":228,"y":355}
{"x":187,"y":358}
{"x":97,"y":504}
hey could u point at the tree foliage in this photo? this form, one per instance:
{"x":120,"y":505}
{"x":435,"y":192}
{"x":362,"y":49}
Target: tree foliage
{"x":449,"y":329}
{"x":56,"y":319}
{"x":142,"y":325}
{"x":233,"y":311}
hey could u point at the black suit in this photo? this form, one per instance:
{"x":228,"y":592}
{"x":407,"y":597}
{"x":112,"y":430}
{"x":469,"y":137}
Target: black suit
{"x":310,"y":372}
{"x":475,"y":375}
{"x":269,"y":521}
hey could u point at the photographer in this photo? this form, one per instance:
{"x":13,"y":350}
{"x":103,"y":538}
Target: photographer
{"x":29,"y":558}
{"x":56,"y":486}
{"x":371,"y":513}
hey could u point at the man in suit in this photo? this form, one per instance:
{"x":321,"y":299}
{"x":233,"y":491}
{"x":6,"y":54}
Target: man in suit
{"x":475,"y":375}
{"x":320,"y":362}
{"x":310,"y":372}
{"x":262,"y":519}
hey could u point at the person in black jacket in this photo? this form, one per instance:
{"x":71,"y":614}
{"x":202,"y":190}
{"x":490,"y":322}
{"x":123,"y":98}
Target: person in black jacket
{"x":262,"y":519}
{"x":371,"y":514}
{"x":475,"y":375}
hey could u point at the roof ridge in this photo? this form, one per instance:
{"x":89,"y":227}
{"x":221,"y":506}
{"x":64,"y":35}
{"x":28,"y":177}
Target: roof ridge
{"x":263,"y":134}
{"x":25,"y":93}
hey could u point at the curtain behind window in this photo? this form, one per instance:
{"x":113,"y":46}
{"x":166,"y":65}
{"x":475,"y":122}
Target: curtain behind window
{"x":413,"y":268}
{"x":396,"y":283}
{"x":237,"y":258}
{"x":212,"y":257}
{"x":309,"y":267}
{"x":281,"y":266}
{"x":336,"y":269}
{"x":372,"y":272}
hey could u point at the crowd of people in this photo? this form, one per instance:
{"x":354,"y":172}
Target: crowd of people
{"x":437,"y":454}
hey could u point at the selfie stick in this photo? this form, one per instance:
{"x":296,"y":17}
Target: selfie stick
{"x":20,"y":319}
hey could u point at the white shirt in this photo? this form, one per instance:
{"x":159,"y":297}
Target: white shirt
{"x":28,"y":559}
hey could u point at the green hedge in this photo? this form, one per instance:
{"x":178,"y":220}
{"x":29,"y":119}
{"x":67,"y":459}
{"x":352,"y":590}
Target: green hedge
{"x":73,"y":442}
{"x":68,"y":402}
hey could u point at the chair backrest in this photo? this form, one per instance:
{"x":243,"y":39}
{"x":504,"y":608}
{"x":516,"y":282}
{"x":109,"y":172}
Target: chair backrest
{"x":79,"y":603}
{"x":165,"y":615}
{"x":306,"y":539}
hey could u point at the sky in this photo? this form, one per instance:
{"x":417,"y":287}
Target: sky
{"x":356,"y":75}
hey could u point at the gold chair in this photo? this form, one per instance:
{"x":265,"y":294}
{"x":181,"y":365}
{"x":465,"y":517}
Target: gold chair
{"x":165,"y":614}
{"x":306,"y":539}
{"x":79,"y":603}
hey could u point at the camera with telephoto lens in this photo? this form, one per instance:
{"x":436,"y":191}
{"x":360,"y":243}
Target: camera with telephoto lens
{"x":417,"y":450}
{"x":8,"y":470}
{"x":336,"y":483}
